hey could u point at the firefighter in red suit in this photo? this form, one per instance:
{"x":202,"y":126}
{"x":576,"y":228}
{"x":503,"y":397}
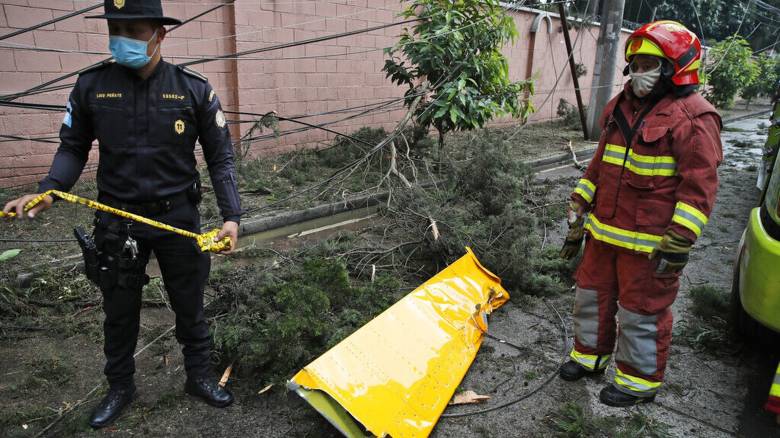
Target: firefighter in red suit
{"x":642,"y":203}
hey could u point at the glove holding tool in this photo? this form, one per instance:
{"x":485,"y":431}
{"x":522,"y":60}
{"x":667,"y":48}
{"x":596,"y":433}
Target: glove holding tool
{"x":672,"y":252}
{"x":573,"y":242}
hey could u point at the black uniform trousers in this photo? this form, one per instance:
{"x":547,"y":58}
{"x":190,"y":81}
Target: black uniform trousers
{"x":184,"y":269}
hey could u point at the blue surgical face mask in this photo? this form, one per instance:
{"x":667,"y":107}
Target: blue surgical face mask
{"x":130,"y":52}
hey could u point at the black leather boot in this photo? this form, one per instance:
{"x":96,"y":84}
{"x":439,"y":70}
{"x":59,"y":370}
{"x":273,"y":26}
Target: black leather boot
{"x":611,"y":396}
{"x":572,"y":371}
{"x":112,"y":405}
{"x":208,"y":389}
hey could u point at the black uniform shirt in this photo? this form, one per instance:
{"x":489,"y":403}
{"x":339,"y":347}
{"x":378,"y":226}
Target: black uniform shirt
{"x":146,"y":132}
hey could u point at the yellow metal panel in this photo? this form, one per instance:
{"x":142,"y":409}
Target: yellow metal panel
{"x":396,"y":374}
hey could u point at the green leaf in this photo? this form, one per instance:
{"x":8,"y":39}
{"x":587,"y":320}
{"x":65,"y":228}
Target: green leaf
{"x":9,"y":254}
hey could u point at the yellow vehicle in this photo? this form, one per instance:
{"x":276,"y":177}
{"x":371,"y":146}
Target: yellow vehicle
{"x":756,"y":286}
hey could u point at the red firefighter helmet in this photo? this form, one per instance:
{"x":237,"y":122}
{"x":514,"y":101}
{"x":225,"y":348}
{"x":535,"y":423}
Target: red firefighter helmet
{"x":672,"y":41}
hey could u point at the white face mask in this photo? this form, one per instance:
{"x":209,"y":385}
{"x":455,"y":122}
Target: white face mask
{"x":643,"y":83}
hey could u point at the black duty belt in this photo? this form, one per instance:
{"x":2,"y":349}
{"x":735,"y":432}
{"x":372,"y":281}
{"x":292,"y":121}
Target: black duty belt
{"x":151,"y":208}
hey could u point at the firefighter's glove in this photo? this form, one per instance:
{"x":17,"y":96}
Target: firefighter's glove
{"x":573,"y":242}
{"x":672,"y":253}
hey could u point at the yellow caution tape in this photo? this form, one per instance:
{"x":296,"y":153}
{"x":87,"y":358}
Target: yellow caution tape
{"x":206,"y":241}
{"x":396,"y":374}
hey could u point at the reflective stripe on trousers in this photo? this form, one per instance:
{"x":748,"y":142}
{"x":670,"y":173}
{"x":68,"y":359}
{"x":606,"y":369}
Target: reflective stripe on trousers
{"x":633,"y":385}
{"x":591,"y":362}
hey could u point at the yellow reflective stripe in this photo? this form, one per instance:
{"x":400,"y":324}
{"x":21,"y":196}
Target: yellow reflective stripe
{"x":646,"y":47}
{"x":690,"y":217}
{"x":591,"y":362}
{"x":636,"y":385}
{"x":614,"y":154}
{"x":645,"y":165}
{"x":586,"y":189}
{"x":694,"y":65}
{"x":774,"y":391}
{"x":632,"y":240}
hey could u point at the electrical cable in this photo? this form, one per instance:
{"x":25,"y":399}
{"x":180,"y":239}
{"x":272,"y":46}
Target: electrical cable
{"x":196,"y":16}
{"x":733,"y":40}
{"x":348,"y":166}
{"x":696,"y":13}
{"x":77,"y":72}
{"x":315,"y":127}
{"x":48,"y":22}
{"x":300,"y":42}
{"x":20,"y":138}
{"x":42,"y":87}
{"x":550,"y":378}
{"x":558,"y":79}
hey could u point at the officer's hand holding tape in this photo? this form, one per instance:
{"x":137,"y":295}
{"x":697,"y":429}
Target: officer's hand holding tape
{"x":17,"y":206}
{"x":229,"y":229}
{"x":573,"y":242}
{"x":672,"y":253}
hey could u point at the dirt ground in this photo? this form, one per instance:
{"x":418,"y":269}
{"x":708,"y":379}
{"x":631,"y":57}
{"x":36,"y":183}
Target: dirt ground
{"x":708,"y":392}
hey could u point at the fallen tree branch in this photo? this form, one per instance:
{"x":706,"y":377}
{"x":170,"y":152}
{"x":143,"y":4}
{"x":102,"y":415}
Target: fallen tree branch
{"x":577,"y":164}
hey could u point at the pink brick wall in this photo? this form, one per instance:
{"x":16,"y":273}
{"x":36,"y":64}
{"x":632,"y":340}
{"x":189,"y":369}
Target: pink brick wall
{"x":314,"y":78}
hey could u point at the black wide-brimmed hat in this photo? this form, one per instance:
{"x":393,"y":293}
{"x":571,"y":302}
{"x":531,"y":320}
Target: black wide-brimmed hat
{"x":135,"y":10}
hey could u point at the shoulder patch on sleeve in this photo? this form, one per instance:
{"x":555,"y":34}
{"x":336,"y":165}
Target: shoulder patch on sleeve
{"x":98,"y":66}
{"x":192,"y":73}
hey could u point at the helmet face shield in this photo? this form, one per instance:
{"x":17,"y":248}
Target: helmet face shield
{"x":642,"y":46}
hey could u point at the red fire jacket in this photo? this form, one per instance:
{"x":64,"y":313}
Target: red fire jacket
{"x":666,"y":179}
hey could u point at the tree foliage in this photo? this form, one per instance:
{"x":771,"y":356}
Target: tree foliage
{"x":275,"y":321}
{"x":732,"y":69}
{"x":713,"y":20}
{"x":765,"y":83}
{"x":453,"y":56}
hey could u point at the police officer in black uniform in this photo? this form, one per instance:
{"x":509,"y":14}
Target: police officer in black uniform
{"x":146,"y":115}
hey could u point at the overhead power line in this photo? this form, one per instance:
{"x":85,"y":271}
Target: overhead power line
{"x":300,"y":42}
{"x":52,"y":21}
{"x":77,"y":72}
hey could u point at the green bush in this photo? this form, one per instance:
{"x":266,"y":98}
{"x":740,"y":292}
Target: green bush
{"x":708,"y":302}
{"x":765,"y":84}
{"x":569,"y":114}
{"x":732,"y":69}
{"x":455,"y":46}
{"x":708,"y":328}
{"x":273,"y":323}
{"x":481,"y":206}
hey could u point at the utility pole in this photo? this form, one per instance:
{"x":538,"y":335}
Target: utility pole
{"x":609,"y":49}
{"x":573,"y":68}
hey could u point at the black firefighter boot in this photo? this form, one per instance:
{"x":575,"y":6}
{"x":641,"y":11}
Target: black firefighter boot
{"x":571,"y":371}
{"x":612,"y":396}
{"x":115,"y":401}
{"x":207,"y":388}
